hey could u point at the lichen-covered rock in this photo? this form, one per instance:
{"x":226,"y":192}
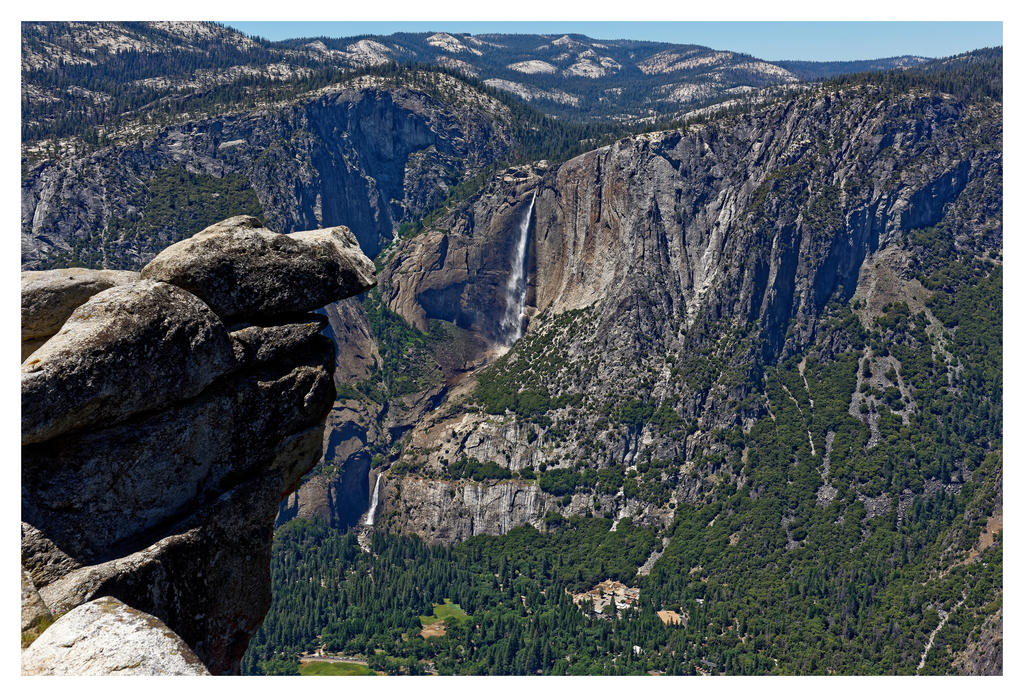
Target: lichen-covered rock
{"x":107,"y":637}
{"x":127,"y":349}
{"x":157,"y":445}
{"x":35,"y":616}
{"x":48,"y":562}
{"x":242,"y":270}
{"x":49,"y":297}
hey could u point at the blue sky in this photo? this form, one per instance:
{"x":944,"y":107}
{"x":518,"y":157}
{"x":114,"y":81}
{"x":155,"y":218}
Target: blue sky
{"x":768,"y":40}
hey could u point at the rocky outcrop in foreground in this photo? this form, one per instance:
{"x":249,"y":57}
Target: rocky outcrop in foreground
{"x":164,"y":418}
{"x":106,"y":637}
{"x":49,"y":297}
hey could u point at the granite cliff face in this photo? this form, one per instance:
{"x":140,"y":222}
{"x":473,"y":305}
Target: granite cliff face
{"x":666,"y":267}
{"x":339,"y":491}
{"x":161,"y":427}
{"x":702,"y":210}
{"x":368,"y":153}
{"x":725,"y":239}
{"x":453,"y":511}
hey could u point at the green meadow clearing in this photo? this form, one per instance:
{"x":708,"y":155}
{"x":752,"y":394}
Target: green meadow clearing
{"x":333,"y":668}
{"x":443,"y":612}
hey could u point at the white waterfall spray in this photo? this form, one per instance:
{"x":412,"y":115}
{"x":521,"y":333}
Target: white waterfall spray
{"x":515,"y":290}
{"x":370,"y":514}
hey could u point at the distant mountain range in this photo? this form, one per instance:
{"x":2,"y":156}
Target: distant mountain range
{"x":79,"y":74}
{"x":573,"y":74}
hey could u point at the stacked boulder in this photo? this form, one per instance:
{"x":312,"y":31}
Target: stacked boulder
{"x":165,"y":414}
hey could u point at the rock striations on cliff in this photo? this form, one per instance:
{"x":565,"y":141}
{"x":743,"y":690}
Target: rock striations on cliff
{"x":164,"y":418}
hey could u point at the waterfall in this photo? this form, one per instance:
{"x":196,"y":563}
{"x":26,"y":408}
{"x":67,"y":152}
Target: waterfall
{"x":373,"y":502}
{"x":515,"y":289}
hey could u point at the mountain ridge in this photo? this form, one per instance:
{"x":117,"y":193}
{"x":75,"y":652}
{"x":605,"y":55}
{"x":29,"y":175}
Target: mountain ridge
{"x":106,"y":68}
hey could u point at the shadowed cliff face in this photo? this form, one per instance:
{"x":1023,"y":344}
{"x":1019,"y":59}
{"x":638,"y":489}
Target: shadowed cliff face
{"x":339,"y":491}
{"x":360,"y":155}
{"x":461,"y":274}
{"x":723,"y":241}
